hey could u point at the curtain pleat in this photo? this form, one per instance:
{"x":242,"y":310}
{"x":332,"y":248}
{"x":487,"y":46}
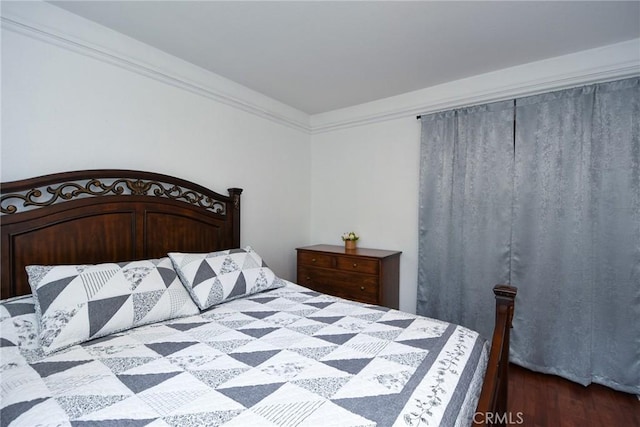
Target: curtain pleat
{"x":558,"y":216}
{"x":614,"y":185}
{"x":551,"y":255}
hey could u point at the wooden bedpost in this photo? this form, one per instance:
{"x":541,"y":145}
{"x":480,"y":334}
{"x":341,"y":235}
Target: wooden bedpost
{"x":492,"y":405}
{"x":235,"y":195}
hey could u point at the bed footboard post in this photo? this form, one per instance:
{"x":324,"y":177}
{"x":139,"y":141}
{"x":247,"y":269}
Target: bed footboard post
{"x":492,"y":404}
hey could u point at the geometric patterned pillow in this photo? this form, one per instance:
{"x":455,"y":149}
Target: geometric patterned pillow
{"x":216,"y":277}
{"x":77,"y":303}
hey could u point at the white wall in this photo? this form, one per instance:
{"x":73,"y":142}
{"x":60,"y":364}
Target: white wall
{"x":366,"y":179}
{"x":63,"y":110}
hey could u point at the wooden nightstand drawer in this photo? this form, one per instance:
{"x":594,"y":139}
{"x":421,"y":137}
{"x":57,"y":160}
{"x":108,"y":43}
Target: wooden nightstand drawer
{"x":359,"y":287}
{"x":316,"y":259}
{"x":361,"y":265}
{"x":365,"y":275}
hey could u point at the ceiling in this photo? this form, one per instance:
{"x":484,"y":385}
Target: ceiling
{"x":321,"y":56}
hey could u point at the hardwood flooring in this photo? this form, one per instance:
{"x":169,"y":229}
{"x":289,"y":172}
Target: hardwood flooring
{"x":547,"y":400}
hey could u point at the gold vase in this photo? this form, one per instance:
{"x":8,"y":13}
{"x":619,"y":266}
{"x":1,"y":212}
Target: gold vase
{"x":349,"y":245}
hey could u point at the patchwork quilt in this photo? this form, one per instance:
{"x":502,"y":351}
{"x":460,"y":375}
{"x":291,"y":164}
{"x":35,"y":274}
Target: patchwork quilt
{"x":285,"y":357}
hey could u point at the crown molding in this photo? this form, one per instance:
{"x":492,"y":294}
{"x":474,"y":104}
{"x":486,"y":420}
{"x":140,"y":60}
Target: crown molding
{"x":50,"y":24}
{"x":58,"y":27}
{"x":605,"y":63}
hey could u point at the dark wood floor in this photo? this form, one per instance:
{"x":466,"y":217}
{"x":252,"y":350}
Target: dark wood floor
{"x":548,"y":400}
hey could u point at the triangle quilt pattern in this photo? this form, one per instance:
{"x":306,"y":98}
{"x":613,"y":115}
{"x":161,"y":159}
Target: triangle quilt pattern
{"x":252,"y":361}
{"x":216,"y":277}
{"x":82,"y":302}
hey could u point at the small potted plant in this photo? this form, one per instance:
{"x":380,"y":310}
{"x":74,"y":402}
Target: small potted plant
{"x":350,"y":240}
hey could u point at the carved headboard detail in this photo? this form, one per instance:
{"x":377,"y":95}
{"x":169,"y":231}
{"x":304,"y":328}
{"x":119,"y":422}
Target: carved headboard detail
{"x":94,"y":216}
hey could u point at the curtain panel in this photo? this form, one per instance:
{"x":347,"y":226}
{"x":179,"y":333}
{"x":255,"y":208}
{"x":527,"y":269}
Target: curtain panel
{"x":542,"y":192}
{"x":465,"y":212}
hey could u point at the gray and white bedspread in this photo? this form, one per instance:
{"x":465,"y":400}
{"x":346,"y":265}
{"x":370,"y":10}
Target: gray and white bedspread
{"x":286,"y":357}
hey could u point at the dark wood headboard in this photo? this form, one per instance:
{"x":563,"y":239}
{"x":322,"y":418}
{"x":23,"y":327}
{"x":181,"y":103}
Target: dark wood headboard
{"x":95,"y":216}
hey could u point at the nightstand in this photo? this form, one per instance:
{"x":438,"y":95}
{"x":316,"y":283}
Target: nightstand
{"x":366,"y":275}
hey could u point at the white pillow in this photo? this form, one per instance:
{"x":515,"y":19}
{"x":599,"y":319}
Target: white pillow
{"x":216,"y":277}
{"x":77,"y":303}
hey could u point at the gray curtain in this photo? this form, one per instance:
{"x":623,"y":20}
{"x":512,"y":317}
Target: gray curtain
{"x":566,"y":220}
{"x":576,"y":234}
{"x":465,"y":212}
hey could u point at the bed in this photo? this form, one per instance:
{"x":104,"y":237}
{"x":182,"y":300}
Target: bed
{"x":127,"y":300}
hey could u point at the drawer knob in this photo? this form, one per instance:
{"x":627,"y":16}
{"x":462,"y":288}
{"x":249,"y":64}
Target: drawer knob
{"x":313,"y":260}
{"x":362,"y":288}
{"x":355,"y":265}
{"x":308,"y":278}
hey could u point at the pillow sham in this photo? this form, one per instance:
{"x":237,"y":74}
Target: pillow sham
{"x":77,"y":303}
{"x":216,"y":277}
